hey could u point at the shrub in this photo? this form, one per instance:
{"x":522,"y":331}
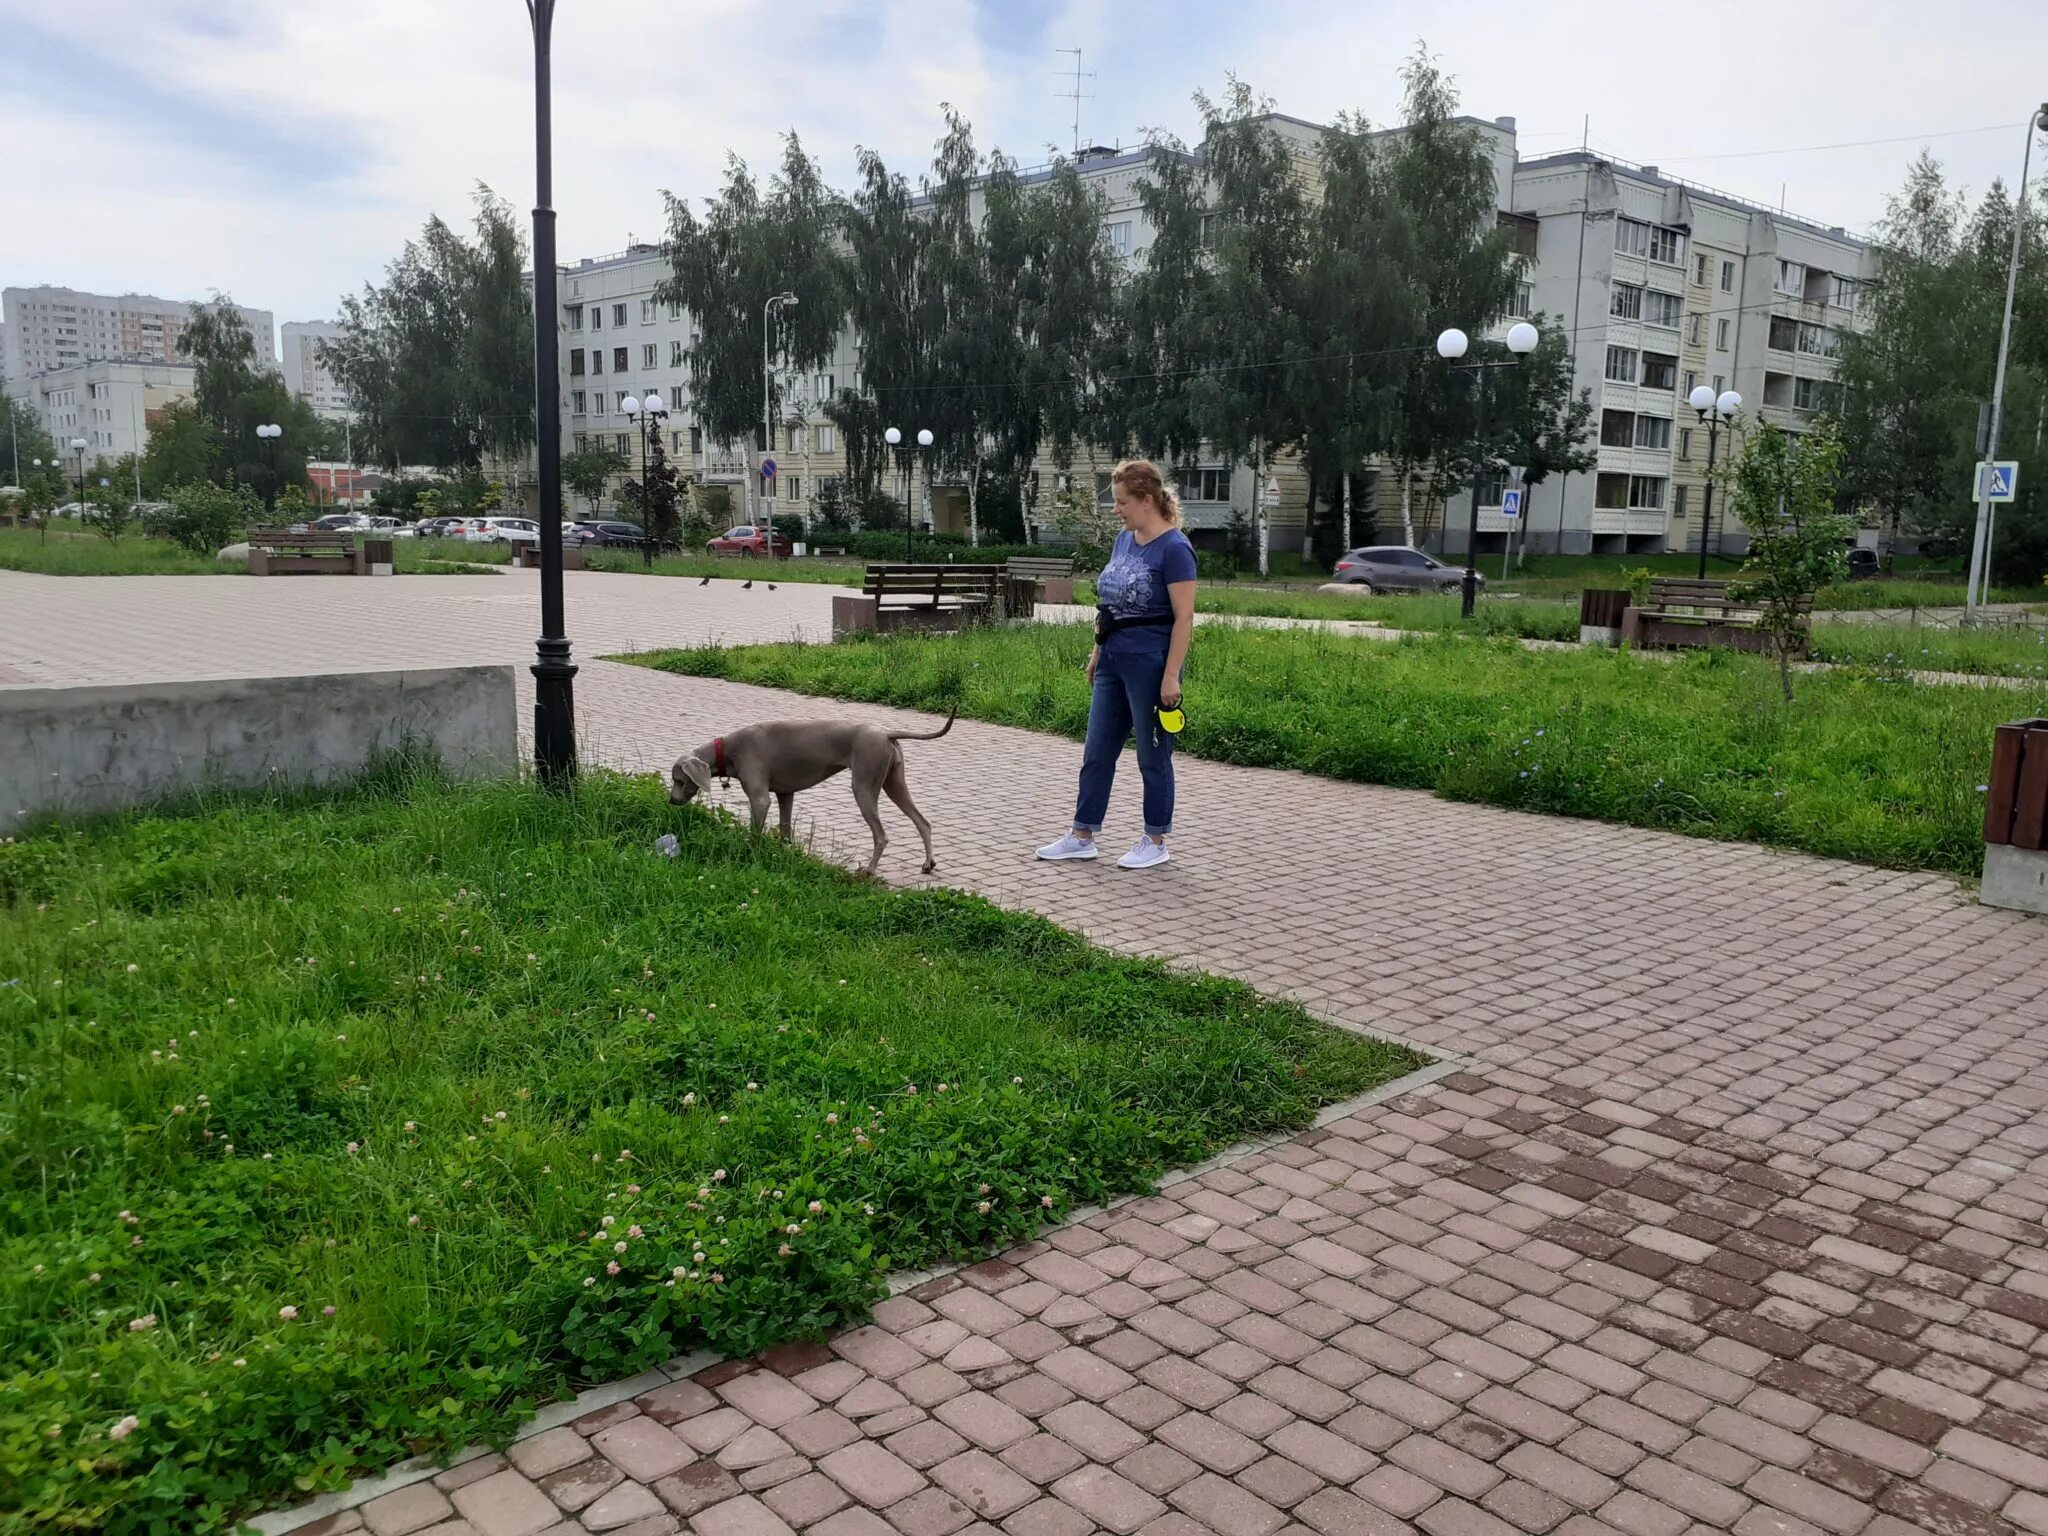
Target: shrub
{"x":203,"y":518}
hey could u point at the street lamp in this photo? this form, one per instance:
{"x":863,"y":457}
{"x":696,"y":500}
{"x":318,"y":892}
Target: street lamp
{"x":1980,"y":546}
{"x":270,"y":432}
{"x":775,"y":302}
{"x":1451,"y":346}
{"x":648,"y":413}
{"x":1716,"y":411}
{"x":78,"y":447}
{"x":894,"y":438}
{"x":554,"y":695}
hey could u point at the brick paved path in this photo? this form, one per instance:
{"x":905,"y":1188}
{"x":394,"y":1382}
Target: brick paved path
{"x":1732,"y":1220}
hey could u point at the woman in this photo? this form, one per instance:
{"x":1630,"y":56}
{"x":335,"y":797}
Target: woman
{"x":1144,"y":618}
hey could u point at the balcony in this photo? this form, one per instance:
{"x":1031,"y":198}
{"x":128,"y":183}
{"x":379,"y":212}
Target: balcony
{"x":1633,"y":520}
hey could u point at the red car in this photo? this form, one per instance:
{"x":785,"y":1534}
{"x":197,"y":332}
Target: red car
{"x":752,"y":542}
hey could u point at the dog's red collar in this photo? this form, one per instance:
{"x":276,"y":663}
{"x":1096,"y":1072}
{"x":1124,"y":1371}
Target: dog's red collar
{"x":718,"y":765}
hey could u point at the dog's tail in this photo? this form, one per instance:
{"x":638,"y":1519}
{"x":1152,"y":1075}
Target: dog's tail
{"x":927,"y":735}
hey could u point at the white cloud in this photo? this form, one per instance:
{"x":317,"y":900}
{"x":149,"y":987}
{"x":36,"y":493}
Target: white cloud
{"x":292,"y":148}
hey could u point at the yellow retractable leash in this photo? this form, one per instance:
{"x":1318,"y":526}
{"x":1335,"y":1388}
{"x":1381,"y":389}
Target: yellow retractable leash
{"x":1172,"y":721}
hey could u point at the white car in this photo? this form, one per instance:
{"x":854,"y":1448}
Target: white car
{"x":500,"y":530}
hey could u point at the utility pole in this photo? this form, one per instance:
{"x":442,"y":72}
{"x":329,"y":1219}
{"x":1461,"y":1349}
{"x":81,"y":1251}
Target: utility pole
{"x":1075,"y":94}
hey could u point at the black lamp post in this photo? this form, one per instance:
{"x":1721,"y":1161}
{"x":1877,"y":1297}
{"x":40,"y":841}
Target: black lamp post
{"x":894,"y":438}
{"x":1451,"y":346}
{"x":268,"y":434}
{"x":1716,"y":412}
{"x":554,"y":697}
{"x":78,"y":449}
{"x":649,"y":413}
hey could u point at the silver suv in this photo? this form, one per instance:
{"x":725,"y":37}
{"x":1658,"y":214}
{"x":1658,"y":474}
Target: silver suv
{"x":1395,"y":568}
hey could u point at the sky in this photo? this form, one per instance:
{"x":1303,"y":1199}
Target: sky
{"x":283,"y":153}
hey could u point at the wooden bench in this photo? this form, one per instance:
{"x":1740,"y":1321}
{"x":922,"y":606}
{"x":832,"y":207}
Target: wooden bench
{"x":1055,"y":577}
{"x":1683,"y":612}
{"x":527,"y":557}
{"x":932,"y":597}
{"x":282,"y":552}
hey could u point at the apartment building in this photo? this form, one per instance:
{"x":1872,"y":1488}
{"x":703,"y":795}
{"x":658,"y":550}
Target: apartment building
{"x":109,"y":405}
{"x":305,"y":375}
{"x":49,"y":328}
{"x":1664,"y":286}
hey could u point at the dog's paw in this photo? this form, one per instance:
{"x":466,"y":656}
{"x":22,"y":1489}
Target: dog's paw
{"x":930,"y":867}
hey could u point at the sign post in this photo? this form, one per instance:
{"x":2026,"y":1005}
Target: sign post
{"x":1511,"y":510}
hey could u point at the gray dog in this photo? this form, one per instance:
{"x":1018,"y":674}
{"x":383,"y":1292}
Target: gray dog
{"x":784,"y":757}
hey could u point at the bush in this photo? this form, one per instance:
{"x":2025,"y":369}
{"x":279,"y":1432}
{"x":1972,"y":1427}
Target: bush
{"x":953,"y":548}
{"x":203,"y":518}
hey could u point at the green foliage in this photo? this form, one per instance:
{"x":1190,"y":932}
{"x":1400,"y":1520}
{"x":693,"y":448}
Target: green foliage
{"x":464,"y":1078}
{"x":438,"y":360}
{"x":587,"y":473}
{"x":203,"y":519}
{"x":183,"y":447}
{"x":1872,"y":767}
{"x":657,"y":497}
{"x":1785,"y":492}
{"x":108,"y":511}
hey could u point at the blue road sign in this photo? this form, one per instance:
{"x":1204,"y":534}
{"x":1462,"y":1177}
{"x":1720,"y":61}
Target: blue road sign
{"x":1998,"y":481}
{"x":1511,"y":504}
{"x":767,"y":469}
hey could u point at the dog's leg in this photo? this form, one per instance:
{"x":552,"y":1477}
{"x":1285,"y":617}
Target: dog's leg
{"x":899,"y":791}
{"x":784,"y":800}
{"x":757,"y":807}
{"x":866,"y":796}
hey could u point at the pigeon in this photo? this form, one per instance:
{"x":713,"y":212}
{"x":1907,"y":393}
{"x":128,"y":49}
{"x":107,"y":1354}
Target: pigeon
{"x":747,"y":585}
{"x":705,"y":582}
{"x":771,"y":586}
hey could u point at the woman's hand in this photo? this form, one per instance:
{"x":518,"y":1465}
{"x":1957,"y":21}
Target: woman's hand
{"x":1094,"y":659}
{"x":1169,"y":695}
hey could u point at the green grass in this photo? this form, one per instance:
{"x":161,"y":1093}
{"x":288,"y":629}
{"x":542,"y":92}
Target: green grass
{"x":841,"y":573}
{"x":69,"y":552}
{"x":1532,"y":619}
{"x":1913,"y":592}
{"x":411,"y":1060}
{"x":1990,"y":650}
{"x":1863,"y":766}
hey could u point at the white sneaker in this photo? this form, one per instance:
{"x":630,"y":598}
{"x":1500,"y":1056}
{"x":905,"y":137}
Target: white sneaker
{"x":1070,"y":847}
{"x":1144,"y":854}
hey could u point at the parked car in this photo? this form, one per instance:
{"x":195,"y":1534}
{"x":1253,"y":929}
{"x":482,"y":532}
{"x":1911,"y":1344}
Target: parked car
{"x":437,"y":527}
{"x":601,"y":533}
{"x":1394,"y":568}
{"x":1863,"y":564}
{"x":751,"y":542}
{"x":499,"y":530}
{"x":338,"y":522}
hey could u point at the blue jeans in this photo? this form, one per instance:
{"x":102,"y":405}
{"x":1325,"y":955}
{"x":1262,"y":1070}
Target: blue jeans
{"x":1126,"y":693}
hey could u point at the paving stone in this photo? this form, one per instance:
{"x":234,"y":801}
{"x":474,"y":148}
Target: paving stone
{"x":984,"y":1485}
{"x":623,"y":1506}
{"x":1112,"y":1502}
{"x":743,"y":1516}
{"x":806,"y":1500}
{"x":406,"y":1511}
{"x":504,"y":1504}
{"x":872,"y":1474}
{"x":643,"y":1449}
{"x":698,"y":1486}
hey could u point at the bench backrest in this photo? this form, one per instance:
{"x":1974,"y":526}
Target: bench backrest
{"x":320,"y":542}
{"x":1706,"y":596}
{"x":932,"y":584}
{"x":1040,"y":567}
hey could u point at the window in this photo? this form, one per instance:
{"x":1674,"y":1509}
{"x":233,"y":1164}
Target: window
{"x":619,"y":363}
{"x":1684,"y":450}
{"x":1653,"y":431}
{"x":1646,"y":493}
{"x":579,"y":403}
{"x":1660,"y":371}
{"x":647,"y":354}
{"x":1702,"y":270}
{"x":1118,"y":234}
{"x":1791,"y":279}
{"x":792,"y":489}
{"x":1805,"y":392}
{"x":1488,"y":486}
{"x":624,"y":396}
{"x":696,"y":440}
{"x":1525,"y":300}
{"x":1626,"y":302}
{"x":1819,"y":340}
{"x":675,"y":397}
{"x":622,"y":442}
{"x":675,"y":441}
{"x":1694,"y":330}
{"x":597,"y":359}
{"x":1784,"y":336}
{"x":1610,"y":492}
{"x":1720,"y":335}
{"x":1662,"y":309}
{"x":647,"y":311}
{"x":1848,"y":293}
{"x":597,"y":317}
{"x":1664,"y":246}
{"x":575,"y":362}
{"x":1727,"y":277}
{"x":822,"y":439}
{"x":619,"y":315}
{"x":1720,"y":383}
{"x":581,"y":441}
{"x":1631,"y":237}
{"x":827,"y":386}
{"x":1211,"y":484}
{"x":675,"y":354}
{"x":1617,"y":429}
{"x":1678,"y":501}
{"x":575,"y":317}
{"x":1621,"y":365}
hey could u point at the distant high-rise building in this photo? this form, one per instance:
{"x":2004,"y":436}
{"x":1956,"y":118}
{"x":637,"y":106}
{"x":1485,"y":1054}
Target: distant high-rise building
{"x":111,"y":407}
{"x":305,"y":375}
{"x":49,"y":328}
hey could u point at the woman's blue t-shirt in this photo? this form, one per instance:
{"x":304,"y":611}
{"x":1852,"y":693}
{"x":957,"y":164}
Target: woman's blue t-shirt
{"x":1133,"y":585}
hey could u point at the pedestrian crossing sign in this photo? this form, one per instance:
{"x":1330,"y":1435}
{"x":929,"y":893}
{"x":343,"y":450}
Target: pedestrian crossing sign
{"x":1999,"y":480}
{"x":1511,"y":504}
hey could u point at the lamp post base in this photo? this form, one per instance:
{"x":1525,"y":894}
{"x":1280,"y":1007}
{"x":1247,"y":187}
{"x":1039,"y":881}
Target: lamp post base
{"x":1471,"y":592}
{"x":554,"y":715}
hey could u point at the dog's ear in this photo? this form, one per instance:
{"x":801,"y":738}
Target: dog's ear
{"x":695,"y":771}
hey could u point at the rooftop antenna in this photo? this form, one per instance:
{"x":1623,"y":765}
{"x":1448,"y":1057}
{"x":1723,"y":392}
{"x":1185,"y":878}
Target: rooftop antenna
{"x":1076,"y":94}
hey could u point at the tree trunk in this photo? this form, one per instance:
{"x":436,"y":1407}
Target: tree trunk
{"x":974,"y":505}
{"x":1407,"y":505}
{"x":1346,"y":524}
{"x":1260,"y":513}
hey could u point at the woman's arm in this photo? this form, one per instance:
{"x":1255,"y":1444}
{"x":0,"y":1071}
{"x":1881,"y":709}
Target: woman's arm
{"x":1182,"y":595}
